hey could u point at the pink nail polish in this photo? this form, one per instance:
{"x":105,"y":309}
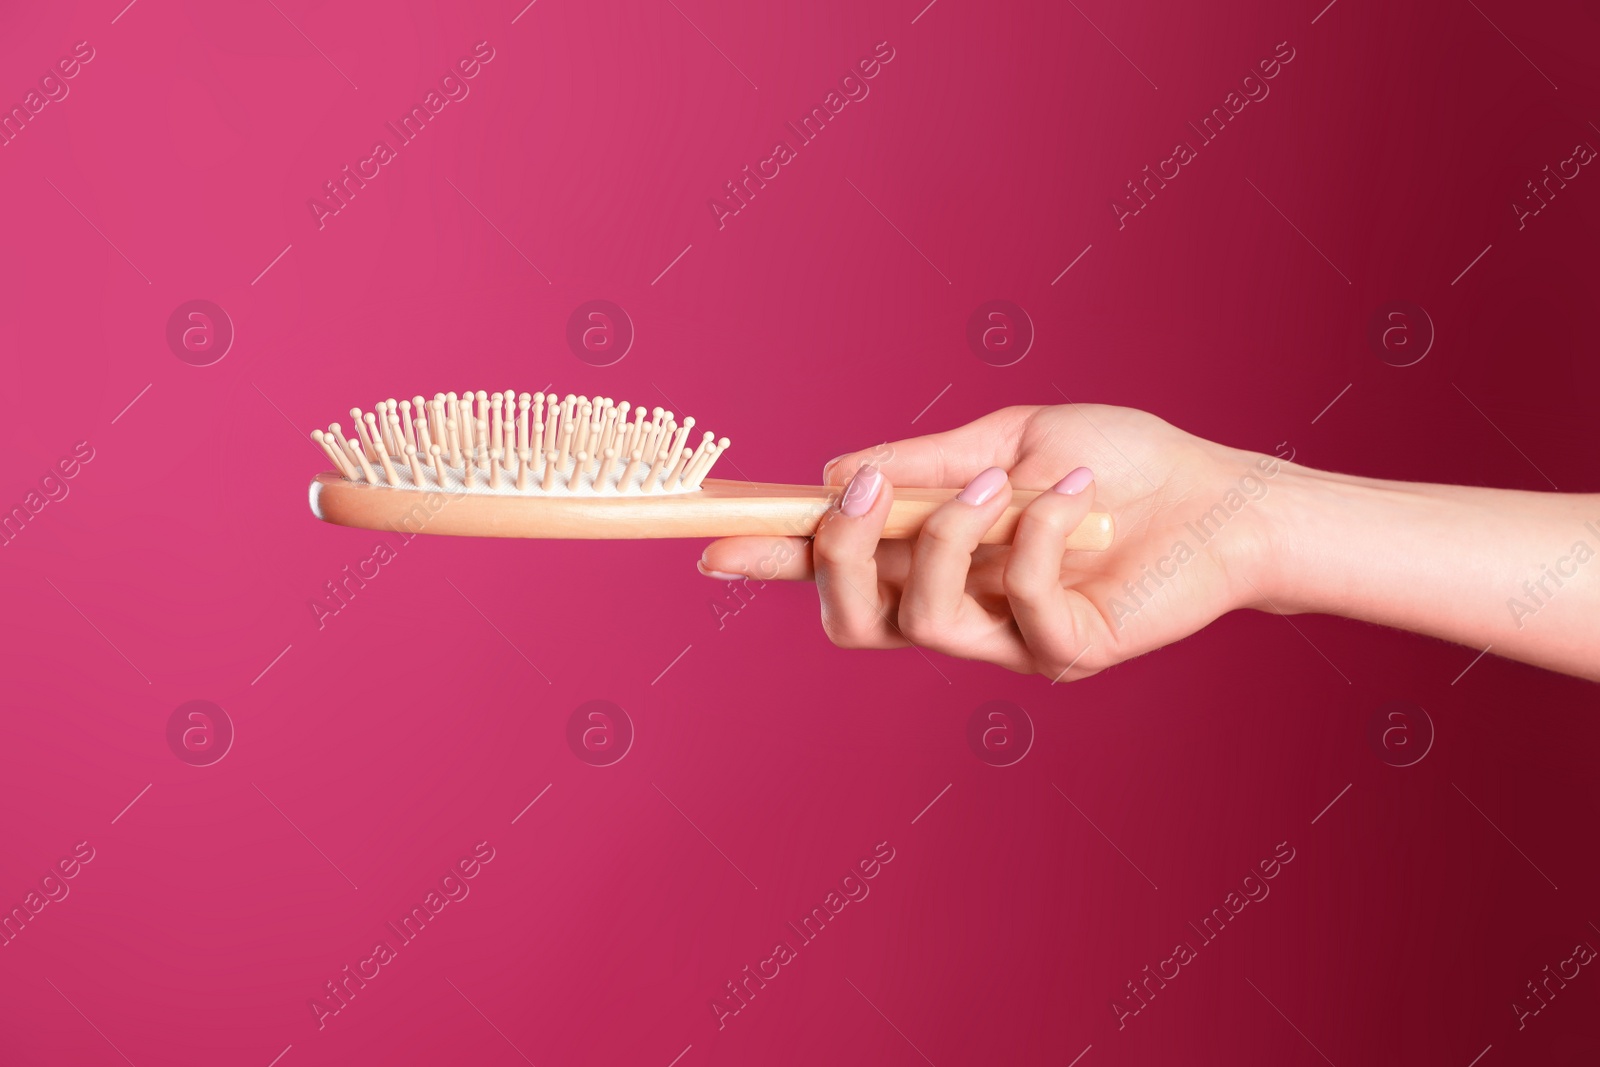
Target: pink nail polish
{"x":721,"y":576}
{"x":1075,"y":483}
{"x":862,"y":491}
{"x":984,"y":486}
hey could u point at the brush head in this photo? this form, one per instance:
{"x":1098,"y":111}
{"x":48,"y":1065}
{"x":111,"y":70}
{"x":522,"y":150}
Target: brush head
{"x":511,"y":444}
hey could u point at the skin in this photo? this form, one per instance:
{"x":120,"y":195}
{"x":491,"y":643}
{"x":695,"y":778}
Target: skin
{"x":1448,"y":561}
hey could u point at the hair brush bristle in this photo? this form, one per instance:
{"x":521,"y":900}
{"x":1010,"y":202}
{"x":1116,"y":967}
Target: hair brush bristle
{"x":526,"y":444}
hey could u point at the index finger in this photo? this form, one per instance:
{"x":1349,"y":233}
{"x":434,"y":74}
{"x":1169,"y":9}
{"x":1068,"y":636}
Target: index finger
{"x":940,"y":460}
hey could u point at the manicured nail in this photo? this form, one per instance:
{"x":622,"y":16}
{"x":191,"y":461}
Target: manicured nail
{"x":721,"y":576}
{"x":984,"y":486}
{"x":827,"y":468}
{"x":1075,"y":483}
{"x":862,"y":491}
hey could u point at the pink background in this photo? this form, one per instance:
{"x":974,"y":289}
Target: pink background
{"x":377,"y":751}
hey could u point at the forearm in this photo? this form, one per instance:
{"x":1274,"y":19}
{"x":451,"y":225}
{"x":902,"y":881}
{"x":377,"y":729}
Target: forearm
{"x":1516,"y":570}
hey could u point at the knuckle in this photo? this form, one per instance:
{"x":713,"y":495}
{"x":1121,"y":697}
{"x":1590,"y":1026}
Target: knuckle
{"x":1019,"y":584}
{"x":841,"y":632}
{"x":941,"y":532}
{"x":829,"y":552}
{"x":1046,"y":519}
{"x":919,"y":627}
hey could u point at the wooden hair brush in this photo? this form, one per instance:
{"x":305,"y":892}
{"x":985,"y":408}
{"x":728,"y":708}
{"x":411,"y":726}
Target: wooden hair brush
{"x":520,"y":465}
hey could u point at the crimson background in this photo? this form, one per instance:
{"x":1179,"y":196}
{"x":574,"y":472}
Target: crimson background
{"x":407,"y":729}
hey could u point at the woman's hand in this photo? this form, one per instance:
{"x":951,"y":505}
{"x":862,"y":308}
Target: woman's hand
{"x":1187,"y":534}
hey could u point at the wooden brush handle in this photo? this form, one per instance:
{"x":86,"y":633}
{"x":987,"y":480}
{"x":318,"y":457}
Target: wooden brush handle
{"x":718,"y":509}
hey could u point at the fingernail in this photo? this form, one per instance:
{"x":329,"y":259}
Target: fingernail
{"x":862,"y":491}
{"x":721,"y":576}
{"x":984,"y":486}
{"x":827,"y":468}
{"x":1076,"y":482}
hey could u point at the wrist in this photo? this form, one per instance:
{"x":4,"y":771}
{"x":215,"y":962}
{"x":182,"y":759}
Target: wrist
{"x":1334,"y":543}
{"x":1290,"y":522}
{"x":1246,"y":516}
